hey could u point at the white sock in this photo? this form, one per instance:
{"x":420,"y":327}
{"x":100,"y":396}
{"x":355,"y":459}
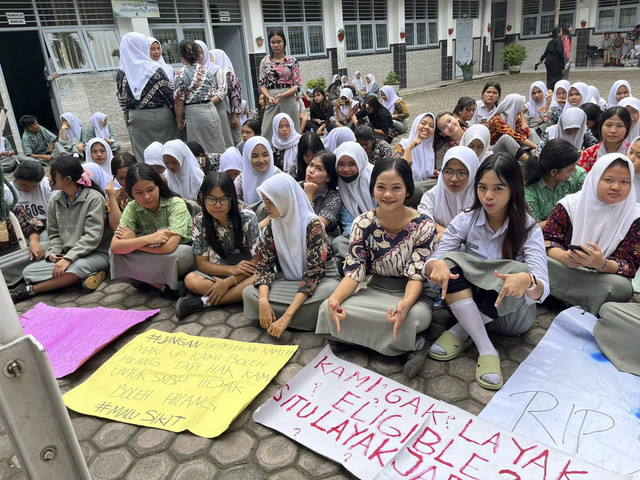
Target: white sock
{"x":459,"y":331}
{"x":472,"y":321}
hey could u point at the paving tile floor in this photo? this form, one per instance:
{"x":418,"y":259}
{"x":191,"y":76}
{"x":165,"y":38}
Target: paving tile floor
{"x":247,"y":450}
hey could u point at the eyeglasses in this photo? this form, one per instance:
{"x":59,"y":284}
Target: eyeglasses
{"x":213,"y":201}
{"x":447,"y":172}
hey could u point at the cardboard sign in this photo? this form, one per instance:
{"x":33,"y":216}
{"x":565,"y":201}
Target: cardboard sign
{"x":177,"y":382}
{"x":73,"y":335}
{"x":567,"y":394}
{"x":379,"y":429}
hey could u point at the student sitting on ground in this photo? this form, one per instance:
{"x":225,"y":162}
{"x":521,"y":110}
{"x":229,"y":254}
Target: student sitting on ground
{"x":37,"y":141}
{"x":99,"y":127}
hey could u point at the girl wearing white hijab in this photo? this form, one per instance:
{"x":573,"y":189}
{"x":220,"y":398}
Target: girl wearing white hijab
{"x":257,"y":166}
{"x":102,"y":157}
{"x":358,"y":82}
{"x":508,"y":121}
{"x":634,"y":155}
{"x":231,"y":162}
{"x":346,"y":109}
{"x":597,"y":229}
{"x":559,"y":99}
{"x":70,"y":135}
{"x":478,"y":138}
{"x":572,"y":127}
{"x":579,"y":94}
{"x":285,"y":142}
{"x":371,"y":86}
{"x":354,"y":176}
{"x":296,"y":241}
{"x":337,"y":137}
{"x":183,"y":173}
{"x":595,"y":97}
{"x":344,"y":81}
{"x":454,"y":191}
{"x":619,"y":90}
{"x":98,"y":175}
{"x":145,"y":93}
{"x":233,"y":101}
{"x":632,"y":105}
{"x":153,"y":157}
{"x":417,"y":149}
{"x":396,"y":107}
{"x":99,"y":128}
{"x":155,"y":53}
{"x":538,"y":106}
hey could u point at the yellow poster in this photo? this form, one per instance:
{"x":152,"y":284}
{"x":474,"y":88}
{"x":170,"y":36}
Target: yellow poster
{"x":176,"y":382}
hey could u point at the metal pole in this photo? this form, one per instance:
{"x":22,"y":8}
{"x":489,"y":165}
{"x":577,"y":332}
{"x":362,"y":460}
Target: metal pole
{"x":31,"y":406}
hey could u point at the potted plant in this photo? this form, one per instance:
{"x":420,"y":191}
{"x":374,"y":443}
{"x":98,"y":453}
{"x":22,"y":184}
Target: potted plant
{"x":314,"y":83}
{"x":467,"y":69}
{"x":450,"y":31}
{"x":583,"y":23}
{"x":341,"y":34}
{"x":116,"y":53}
{"x":393,"y":79}
{"x":489,"y":28}
{"x":513,"y":55}
{"x":509,"y":27}
{"x":402,"y":34}
{"x":259,"y":41}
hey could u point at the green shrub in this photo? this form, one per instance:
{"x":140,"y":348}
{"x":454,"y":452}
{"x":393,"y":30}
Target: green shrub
{"x":314,"y":83}
{"x":393,"y":78}
{"x":514,"y":54}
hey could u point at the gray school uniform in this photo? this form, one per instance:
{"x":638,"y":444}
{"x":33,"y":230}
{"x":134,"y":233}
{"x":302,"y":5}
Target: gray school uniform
{"x":205,"y":126}
{"x":617,"y":335}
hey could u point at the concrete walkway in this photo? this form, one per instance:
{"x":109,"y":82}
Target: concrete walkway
{"x":249,"y":451}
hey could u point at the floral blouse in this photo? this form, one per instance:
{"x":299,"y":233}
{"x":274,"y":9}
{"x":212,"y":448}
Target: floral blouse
{"x":373,"y":250}
{"x":558,"y":232}
{"x":541,"y":199}
{"x":226,"y":237}
{"x":196,"y":84}
{"x":327,"y":205}
{"x":28,"y":224}
{"x":498,"y":127}
{"x":381,"y":150}
{"x":158,"y":92}
{"x":590,"y":155}
{"x":273,"y":73}
{"x":122,"y":199}
{"x":318,"y":251}
{"x":234,"y":93}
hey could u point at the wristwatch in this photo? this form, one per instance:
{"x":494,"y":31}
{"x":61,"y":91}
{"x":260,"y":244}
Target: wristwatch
{"x":534,"y":282}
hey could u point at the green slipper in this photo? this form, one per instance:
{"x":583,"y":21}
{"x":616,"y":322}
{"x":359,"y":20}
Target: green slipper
{"x":488,"y":364}
{"x":450,"y":344}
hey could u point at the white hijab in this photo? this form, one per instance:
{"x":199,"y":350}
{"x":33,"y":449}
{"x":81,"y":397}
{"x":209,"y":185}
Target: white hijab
{"x":96,"y":121}
{"x":613,"y":221}
{"x":564,"y":84}
{"x":188,"y":180}
{"x":634,"y":103}
{"x":369,"y":85}
{"x":346,"y":92}
{"x":447,"y":203}
{"x":243,"y":115}
{"x":231,"y":159}
{"x":97,"y":174}
{"x":510,"y":108}
{"x":221,"y":59}
{"x":614,"y":89}
{"x":344,"y":81}
{"x":583,"y":88}
{"x":106,"y":166}
{"x":207,"y":63}
{"x":153,"y":154}
{"x":75,"y":125}
{"x":335,"y":78}
{"x":167,"y":68}
{"x":337,"y":137}
{"x":392,"y":98}
{"x":289,"y":145}
{"x":636,"y":177}
{"x":356,"y":197}
{"x":136,"y":63}
{"x":251,"y":178}
{"x":596,"y":98}
{"x":478,"y":132}
{"x":571,"y":118}
{"x":290,"y":228}
{"x":358,"y":82}
{"x":533,"y":105}
{"x":423,"y":156}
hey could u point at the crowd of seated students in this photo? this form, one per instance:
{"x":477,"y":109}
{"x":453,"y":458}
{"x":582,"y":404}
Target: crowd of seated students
{"x":339,"y":228}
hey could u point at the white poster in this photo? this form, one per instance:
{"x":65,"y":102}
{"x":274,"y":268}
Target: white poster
{"x":379,"y":429}
{"x":568,"y":395}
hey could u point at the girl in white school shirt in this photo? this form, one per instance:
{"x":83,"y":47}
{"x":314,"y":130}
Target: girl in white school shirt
{"x":492,"y":268}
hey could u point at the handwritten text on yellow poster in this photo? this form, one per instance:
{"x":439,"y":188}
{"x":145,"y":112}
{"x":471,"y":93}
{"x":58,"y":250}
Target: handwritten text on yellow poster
{"x":176,"y":382}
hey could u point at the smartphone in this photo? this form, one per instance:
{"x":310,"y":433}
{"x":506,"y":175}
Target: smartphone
{"x":576,"y":247}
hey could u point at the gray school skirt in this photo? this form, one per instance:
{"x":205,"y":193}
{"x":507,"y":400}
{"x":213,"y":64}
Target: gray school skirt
{"x":589,"y":290}
{"x":204,"y":126}
{"x":14,"y":261}
{"x":225,"y":127}
{"x":286,"y":105}
{"x":83,"y":267}
{"x":165,"y":268}
{"x":67,"y":147}
{"x":282,"y":292}
{"x":150,"y":125}
{"x":515,"y":315}
{"x":617,"y":334}
{"x":366,"y":323}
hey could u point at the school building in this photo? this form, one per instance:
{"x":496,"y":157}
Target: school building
{"x":63,"y":55}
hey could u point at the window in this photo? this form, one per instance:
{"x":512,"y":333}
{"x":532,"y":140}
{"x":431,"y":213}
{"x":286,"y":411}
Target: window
{"x":301,"y":21}
{"x":102,"y":44}
{"x":421,"y":23}
{"x":617,"y":15}
{"x":365,"y":24}
{"x":466,"y":9}
{"x":538,"y":16}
